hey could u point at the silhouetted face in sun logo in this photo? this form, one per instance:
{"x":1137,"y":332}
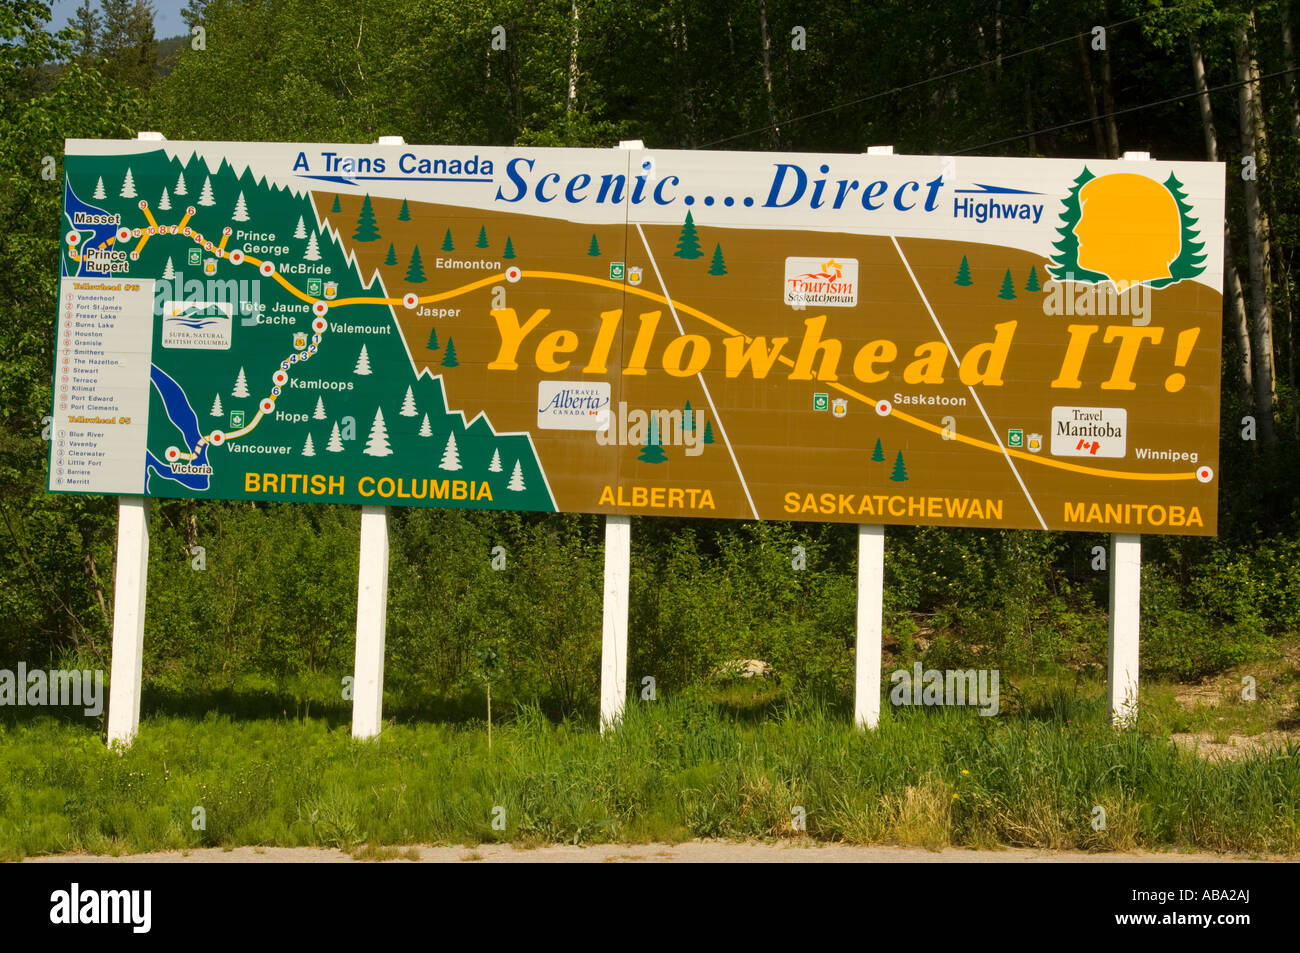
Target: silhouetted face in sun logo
{"x":1129,"y":229}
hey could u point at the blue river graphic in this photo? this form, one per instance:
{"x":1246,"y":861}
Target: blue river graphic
{"x":182,"y":415}
{"x":98,"y":233}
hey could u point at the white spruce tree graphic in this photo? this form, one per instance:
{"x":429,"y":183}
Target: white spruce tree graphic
{"x":180,"y":185}
{"x":128,"y":186}
{"x":495,"y":465}
{"x":241,"y":210}
{"x":216,"y":407}
{"x":516,"y":479}
{"x":363,"y":362}
{"x":205,"y":197}
{"x":319,"y":412}
{"x":241,"y":385}
{"x":313,"y":250}
{"x":450,"y":456}
{"x":301,"y":231}
{"x":99,"y":189}
{"x":335,"y":444}
{"x":408,"y":404}
{"x":425,"y":429}
{"x":165,"y":203}
{"x":307,"y":449}
{"x":377,"y":444}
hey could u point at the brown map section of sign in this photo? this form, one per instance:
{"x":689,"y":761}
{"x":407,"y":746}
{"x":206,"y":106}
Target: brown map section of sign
{"x":774,"y":456}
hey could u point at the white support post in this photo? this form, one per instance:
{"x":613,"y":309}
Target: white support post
{"x":372,"y":618}
{"x":613,"y":641}
{"x":871,"y":607}
{"x":130,"y":582}
{"x":1125,"y":610}
{"x":130,"y":576}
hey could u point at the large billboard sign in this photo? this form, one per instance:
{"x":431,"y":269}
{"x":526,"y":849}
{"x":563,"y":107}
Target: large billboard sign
{"x":870,"y":339}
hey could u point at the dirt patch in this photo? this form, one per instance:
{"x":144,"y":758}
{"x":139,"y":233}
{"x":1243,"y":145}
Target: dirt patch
{"x":688,"y":852}
{"x":1237,"y":746}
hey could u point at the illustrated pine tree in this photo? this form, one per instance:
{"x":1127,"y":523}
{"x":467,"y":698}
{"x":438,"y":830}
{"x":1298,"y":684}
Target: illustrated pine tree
{"x":425,"y":429}
{"x":319,"y":412}
{"x":363,"y":363}
{"x":405,"y":214}
{"x":708,"y":432}
{"x":301,"y":231}
{"x":313,"y":250}
{"x":688,"y":418}
{"x":1032,"y":283}
{"x":963,"y":274}
{"x":1191,"y":259}
{"x":205,"y":194}
{"x":688,"y":243}
{"x":99,"y":189}
{"x":447,"y":243}
{"x":433,"y":339}
{"x":516,"y":479}
{"x":335,"y":444}
{"x":180,"y":185}
{"x":408,"y":404}
{"x":377,"y":442}
{"x":241,"y":385}
{"x":449,"y":355}
{"x":450,"y":456}
{"x":307,"y":449}
{"x":652,"y":452}
{"x":366,"y":229}
{"x":165,"y":202}
{"x":495,"y":465}
{"x":391,"y":258}
{"x":336,"y":207}
{"x":900,"y":470}
{"x":878,"y":454}
{"x":169,"y":272}
{"x":216,"y":407}
{"x":240,"y":214}
{"x":594,"y":248}
{"x":128,"y":186}
{"x":509,"y":250}
{"x":1008,"y":291}
{"x":718,"y":266}
{"x":415,"y":271}
{"x":482,"y":237}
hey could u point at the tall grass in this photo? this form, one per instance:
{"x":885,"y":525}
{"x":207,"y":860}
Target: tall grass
{"x":676,"y":769}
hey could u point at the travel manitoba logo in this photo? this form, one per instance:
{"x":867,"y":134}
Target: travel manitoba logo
{"x":1122,"y":235}
{"x":829,"y":282}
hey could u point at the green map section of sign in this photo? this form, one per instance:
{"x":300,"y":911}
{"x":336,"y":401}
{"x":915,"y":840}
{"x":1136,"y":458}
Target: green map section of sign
{"x":347,"y":420}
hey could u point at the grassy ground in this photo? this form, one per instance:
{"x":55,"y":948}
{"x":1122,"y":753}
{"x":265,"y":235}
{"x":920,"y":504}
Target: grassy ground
{"x":740,"y":762}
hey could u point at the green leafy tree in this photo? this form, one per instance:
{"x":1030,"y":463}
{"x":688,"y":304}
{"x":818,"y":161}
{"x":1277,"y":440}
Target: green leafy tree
{"x":963,"y":274}
{"x":688,"y":242}
{"x":415,"y":271}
